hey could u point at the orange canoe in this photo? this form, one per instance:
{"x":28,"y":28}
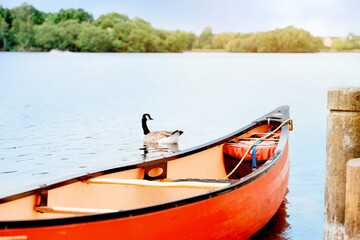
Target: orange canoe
{"x":207,"y":192}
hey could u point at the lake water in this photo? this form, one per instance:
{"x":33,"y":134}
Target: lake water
{"x":66,"y":114}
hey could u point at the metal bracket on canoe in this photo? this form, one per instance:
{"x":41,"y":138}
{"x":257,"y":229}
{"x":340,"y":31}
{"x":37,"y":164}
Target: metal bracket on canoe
{"x":43,"y":199}
{"x":157,"y":171}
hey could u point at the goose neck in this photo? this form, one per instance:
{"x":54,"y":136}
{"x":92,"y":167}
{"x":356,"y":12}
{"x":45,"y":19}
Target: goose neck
{"x":145,"y":127}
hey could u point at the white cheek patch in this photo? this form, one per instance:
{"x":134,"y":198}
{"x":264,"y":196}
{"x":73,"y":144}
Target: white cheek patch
{"x":147,"y":117}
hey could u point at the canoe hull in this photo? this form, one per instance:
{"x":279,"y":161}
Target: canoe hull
{"x":237,"y":214}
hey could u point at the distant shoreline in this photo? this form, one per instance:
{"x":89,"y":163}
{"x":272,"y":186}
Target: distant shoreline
{"x":194,"y":51}
{"x":223,"y":50}
{"x":205,"y":50}
{"x":332,"y":50}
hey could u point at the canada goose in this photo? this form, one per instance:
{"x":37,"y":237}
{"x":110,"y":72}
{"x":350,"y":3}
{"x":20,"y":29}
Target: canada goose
{"x":158,"y":136}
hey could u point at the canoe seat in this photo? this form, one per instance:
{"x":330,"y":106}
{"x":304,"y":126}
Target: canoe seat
{"x":71,"y":210}
{"x":189,"y":183}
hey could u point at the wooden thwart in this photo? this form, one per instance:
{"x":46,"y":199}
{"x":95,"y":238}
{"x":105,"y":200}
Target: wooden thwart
{"x":71,"y":210}
{"x":129,"y":182}
{"x":146,"y":183}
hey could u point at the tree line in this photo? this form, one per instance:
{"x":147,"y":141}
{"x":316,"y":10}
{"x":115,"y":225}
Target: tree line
{"x":285,"y":40}
{"x":348,"y":44}
{"x":25,"y":28}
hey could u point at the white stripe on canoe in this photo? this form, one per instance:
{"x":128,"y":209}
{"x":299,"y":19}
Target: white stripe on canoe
{"x":71,"y":210}
{"x":22,"y":237}
{"x":146,"y":183}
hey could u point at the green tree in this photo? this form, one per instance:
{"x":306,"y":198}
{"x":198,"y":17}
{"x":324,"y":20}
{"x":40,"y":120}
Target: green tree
{"x":219,"y":41}
{"x":5,"y":14}
{"x":108,"y":21}
{"x":233,"y":45}
{"x":176,"y":41}
{"x":345,"y":45}
{"x":62,"y":36}
{"x":292,"y":39}
{"x":50,"y":36}
{"x":241,"y":43}
{"x":120,"y":35}
{"x":162,"y":34}
{"x":71,"y":14}
{"x":122,"y":30}
{"x":141,"y":41}
{"x":93,"y":39}
{"x":7,"y":39}
{"x":4,"y":32}
{"x":266,"y":42}
{"x":22,"y":30}
{"x":191,"y":40}
{"x":356,"y":43}
{"x":248,"y":45}
{"x":137,"y":39}
{"x":288,"y":39}
{"x":205,"y":38}
{"x":338,"y":44}
{"x":73,"y":29}
{"x":27,"y":12}
{"x":141,"y":23}
{"x":138,"y":36}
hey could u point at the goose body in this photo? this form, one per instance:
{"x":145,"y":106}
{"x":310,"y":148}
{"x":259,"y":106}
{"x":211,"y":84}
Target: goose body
{"x":163,"y":137}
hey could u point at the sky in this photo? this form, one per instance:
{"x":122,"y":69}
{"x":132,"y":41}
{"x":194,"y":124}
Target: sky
{"x":322,"y":18}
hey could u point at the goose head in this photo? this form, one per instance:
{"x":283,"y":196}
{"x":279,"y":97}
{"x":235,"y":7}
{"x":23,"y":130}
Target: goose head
{"x":146,"y":117}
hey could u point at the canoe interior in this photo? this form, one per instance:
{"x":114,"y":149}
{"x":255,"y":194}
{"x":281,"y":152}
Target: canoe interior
{"x":207,"y":164}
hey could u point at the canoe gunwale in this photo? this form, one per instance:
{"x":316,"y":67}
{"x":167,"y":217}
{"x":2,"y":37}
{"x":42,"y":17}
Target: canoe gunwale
{"x":149,"y":209}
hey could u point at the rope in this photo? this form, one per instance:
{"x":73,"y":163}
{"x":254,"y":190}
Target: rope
{"x":259,"y":139}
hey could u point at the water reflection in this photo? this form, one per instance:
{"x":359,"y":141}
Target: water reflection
{"x":153,"y":150}
{"x":277,"y":227}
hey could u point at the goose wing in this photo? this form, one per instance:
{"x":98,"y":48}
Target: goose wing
{"x":156,"y":136}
